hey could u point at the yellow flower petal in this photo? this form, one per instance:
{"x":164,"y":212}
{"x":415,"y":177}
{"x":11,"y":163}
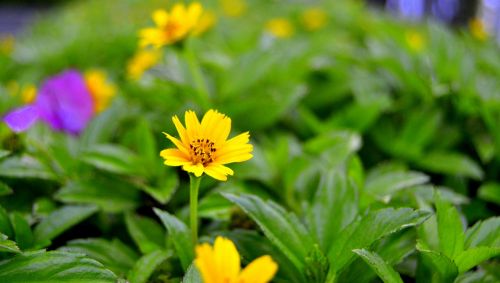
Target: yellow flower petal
{"x":196,"y":169}
{"x":261,"y":270}
{"x":218,"y":171}
{"x":160,"y":17}
{"x":194,"y":12}
{"x":226,"y":260}
{"x":205,"y":263}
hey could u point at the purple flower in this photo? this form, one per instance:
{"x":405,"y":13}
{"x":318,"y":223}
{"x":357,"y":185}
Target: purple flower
{"x":63,"y":102}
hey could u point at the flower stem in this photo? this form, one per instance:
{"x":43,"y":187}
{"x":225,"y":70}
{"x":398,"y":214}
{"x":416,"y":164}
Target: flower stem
{"x":194,"y":185}
{"x":202,"y":93}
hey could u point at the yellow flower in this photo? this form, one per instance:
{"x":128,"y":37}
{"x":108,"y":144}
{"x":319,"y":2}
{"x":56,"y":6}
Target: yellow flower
{"x":314,"y":19}
{"x":207,"y":21}
{"x":204,"y":147}
{"x":221,"y":264}
{"x":280,"y":27}
{"x":171,"y":27}
{"x":101,"y":90}
{"x":7,"y":44}
{"x":142,"y":61}
{"x":233,"y":8}
{"x":478,"y":29}
{"x":415,"y":41}
{"x":28,"y":93}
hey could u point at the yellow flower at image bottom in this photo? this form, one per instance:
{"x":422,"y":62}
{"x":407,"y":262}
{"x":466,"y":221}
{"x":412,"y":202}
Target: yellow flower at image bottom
{"x":221,"y":264}
{"x":171,"y":27}
{"x":204,"y":146}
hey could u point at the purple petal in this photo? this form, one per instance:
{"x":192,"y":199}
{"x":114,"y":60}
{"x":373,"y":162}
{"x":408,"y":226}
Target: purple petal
{"x":65,"y":102}
{"x":20,"y":119}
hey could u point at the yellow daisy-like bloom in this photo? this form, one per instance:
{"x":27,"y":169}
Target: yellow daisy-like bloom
{"x":478,"y":29}
{"x":280,"y":27}
{"x":206,"y":22}
{"x":221,"y":264}
{"x":415,"y":41}
{"x":142,"y":61}
{"x":7,"y":44}
{"x":28,"y":93}
{"x":314,"y":19}
{"x":204,"y":147}
{"x":171,"y":27}
{"x":101,"y":90}
{"x":233,"y":8}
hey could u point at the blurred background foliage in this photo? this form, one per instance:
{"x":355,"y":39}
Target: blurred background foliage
{"x":397,"y":106}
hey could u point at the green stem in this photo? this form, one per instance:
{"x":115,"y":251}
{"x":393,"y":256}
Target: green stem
{"x":194,"y":185}
{"x":202,"y":92}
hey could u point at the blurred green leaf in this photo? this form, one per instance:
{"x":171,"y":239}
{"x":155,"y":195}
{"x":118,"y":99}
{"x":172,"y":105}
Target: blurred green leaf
{"x":490,"y":192}
{"x":113,"y":158}
{"x":4,"y":153}
{"x":4,"y":189}
{"x":8,"y":245}
{"x":379,"y":265}
{"x":22,"y":230}
{"x":53,"y":266}
{"x":61,"y":220}
{"x":24,"y":167}
{"x":179,"y":234}
{"x":192,"y":275}
{"x":5,"y":224}
{"x":383,"y":186}
{"x":451,"y":163}
{"x":282,"y":228}
{"x":146,"y":233}
{"x":450,"y":228}
{"x":146,"y":265}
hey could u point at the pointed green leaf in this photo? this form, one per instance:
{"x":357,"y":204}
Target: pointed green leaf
{"x":470,"y":258}
{"x":25,"y":167}
{"x":451,"y":163}
{"x":192,"y":275}
{"x":4,"y":189}
{"x":484,"y":233}
{"x":179,"y":234}
{"x":380,"y":266}
{"x":282,"y":228}
{"x":146,"y":233}
{"x":8,"y":245}
{"x":113,"y":158}
{"x":443,"y":268}
{"x":450,"y":228}
{"x":383,"y":186}
{"x":146,"y":265}
{"x":22,"y":230}
{"x":490,"y":192}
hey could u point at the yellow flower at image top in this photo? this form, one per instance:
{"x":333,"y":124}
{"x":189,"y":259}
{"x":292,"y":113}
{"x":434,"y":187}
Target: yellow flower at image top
{"x":171,"y":26}
{"x":221,"y":264}
{"x":313,"y":19}
{"x":7,"y":44}
{"x":142,"y":61}
{"x":478,"y":29}
{"x":233,"y":8}
{"x":415,"y":41}
{"x":204,"y":146}
{"x":280,"y":27}
{"x":28,"y":93}
{"x":206,"y":22}
{"x":101,"y":90}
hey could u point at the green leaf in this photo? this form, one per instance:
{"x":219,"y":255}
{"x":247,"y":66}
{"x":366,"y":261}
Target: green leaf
{"x":5,"y":225}
{"x":179,"y":234}
{"x":146,"y":265}
{"x":334,"y":147}
{"x":61,"y":220}
{"x":451,"y":163}
{"x":4,"y":189}
{"x":484,"y":233}
{"x":110,"y":196}
{"x":365,"y":231}
{"x":24,"y":237}
{"x":383,"y":186}
{"x":165,"y":189}
{"x":146,"y":233}
{"x":472,"y":257}
{"x":443,"y":268}
{"x":490,"y":192}
{"x":192,"y":275}
{"x":450,"y":229}
{"x":282,"y":228}
{"x":25,"y":167}
{"x":54,"y":266}
{"x":8,"y":245}
{"x":113,"y":254}
{"x":4,"y":153}
{"x":378,"y":264}
{"x":113,"y":158}
{"x":336,"y":196}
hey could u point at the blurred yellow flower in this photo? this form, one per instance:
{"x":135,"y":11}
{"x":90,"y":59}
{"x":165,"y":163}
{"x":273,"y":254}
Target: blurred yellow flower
{"x":7,"y":44}
{"x":28,"y":93}
{"x":207,"y":21}
{"x":101,"y":90}
{"x":415,"y":41}
{"x":478,"y":29}
{"x":204,"y":147}
{"x":233,"y":8}
{"x":221,"y":263}
{"x":313,"y":19}
{"x":171,"y":27}
{"x":280,"y":27}
{"x":142,"y":61}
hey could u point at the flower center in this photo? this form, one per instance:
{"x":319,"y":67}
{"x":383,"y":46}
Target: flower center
{"x":172,"y":28}
{"x":202,"y":151}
